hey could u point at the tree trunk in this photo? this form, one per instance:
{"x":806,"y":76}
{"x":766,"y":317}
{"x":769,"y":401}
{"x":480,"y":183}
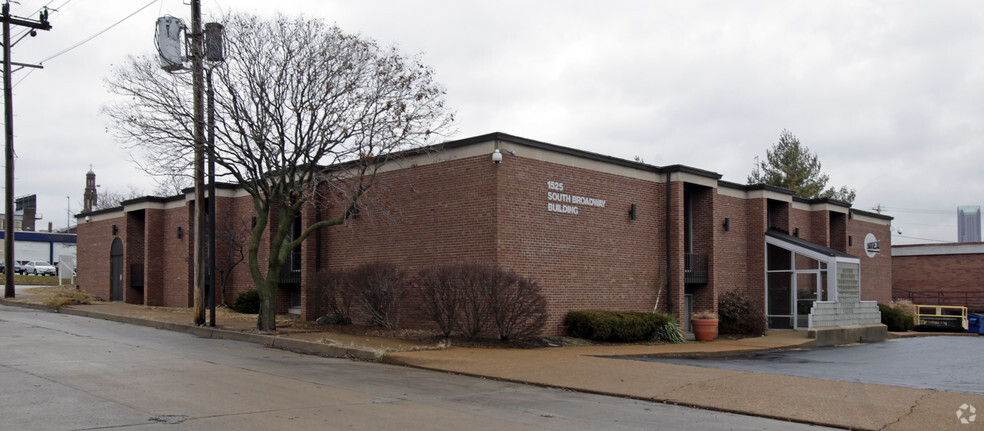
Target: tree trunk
{"x":267,"y":320}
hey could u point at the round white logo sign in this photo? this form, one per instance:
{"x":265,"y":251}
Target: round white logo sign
{"x":871,"y":245}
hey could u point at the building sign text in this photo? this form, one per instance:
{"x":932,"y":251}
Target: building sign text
{"x":567,"y":203}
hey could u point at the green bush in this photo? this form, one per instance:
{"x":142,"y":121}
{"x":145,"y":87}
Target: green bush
{"x":895,"y":318}
{"x":621,"y":326}
{"x":738,"y":316}
{"x":247,"y":302}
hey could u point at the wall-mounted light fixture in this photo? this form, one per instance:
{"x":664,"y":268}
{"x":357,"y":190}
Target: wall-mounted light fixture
{"x":496,"y":156}
{"x":727,"y":224}
{"x":179,"y":232}
{"x":632,"y":212}
{"x":796,"y":232}
{"x":850,"y":241}
{"x":115,"y":230}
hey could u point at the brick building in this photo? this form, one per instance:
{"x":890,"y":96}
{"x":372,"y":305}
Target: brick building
{"x":595,"y":232}
{"x":939,"y":274}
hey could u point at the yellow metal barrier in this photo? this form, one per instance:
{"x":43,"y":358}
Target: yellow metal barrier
{"x":941,"y":318}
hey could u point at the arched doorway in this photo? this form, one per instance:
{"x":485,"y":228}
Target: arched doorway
{"x":116,"y":271}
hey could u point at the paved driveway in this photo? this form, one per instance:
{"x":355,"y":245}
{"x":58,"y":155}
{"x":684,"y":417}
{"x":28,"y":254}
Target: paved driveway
{"x":944,"y":363}
{"x":60,"y":372}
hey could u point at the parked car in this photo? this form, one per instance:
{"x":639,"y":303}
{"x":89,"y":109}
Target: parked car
{"x":18,"y":267}
{"x":37,"y":267}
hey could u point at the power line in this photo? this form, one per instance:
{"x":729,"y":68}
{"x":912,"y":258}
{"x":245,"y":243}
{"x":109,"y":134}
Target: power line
{"x":66,"y":50}
{"x":98,"y":33}
{"x":922,"y":239}
{"x":25,"y":31}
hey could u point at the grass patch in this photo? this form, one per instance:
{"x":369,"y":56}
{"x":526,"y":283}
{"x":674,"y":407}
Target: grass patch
{"x":61,"y":296}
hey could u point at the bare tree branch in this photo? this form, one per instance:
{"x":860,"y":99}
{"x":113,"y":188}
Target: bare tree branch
{"x":305,"y":115}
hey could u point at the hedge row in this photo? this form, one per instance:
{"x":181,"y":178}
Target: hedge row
{"x":622,"y":326}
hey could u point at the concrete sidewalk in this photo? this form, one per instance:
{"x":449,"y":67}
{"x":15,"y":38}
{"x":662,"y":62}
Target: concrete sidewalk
{"x":588,"y":369}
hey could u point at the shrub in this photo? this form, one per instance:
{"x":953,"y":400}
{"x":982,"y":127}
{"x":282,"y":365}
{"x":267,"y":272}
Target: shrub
{"x":331,"y":297}
{"x":738,"y":316}
{"x":622,"y":326}
{"x":378,"y":288}
{"x":441,"y":288}
{"x":474,"y":298}
{"x":247,"y":302}
{"x":63,"y":296}
{"x":895,"y":318}
{"x":516,"y":309}
{"x":906,"y":307}
{"x":670,"y":331}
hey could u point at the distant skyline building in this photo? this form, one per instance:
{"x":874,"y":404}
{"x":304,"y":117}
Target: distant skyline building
{"x":969,"y":223}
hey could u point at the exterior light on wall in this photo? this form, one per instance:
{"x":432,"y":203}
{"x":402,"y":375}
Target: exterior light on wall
{"x":796,"y":232}
{"x":727,"y":224}
{"x":496,"y":156}
{"x":632,"y":212}
{"x":179,"y":232}
{"x":115,"y":230}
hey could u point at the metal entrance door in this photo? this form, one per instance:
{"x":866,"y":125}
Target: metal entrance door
{"x":116,"y":271}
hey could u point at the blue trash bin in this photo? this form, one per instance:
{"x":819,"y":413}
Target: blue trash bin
{"x":975,"y":323}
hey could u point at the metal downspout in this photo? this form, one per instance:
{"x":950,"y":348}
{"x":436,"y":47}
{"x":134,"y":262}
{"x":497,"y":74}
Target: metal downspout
{"x":669,"y":249}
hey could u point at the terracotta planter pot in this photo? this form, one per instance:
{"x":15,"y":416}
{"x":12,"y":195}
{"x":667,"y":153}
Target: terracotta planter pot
{"x":705,"y":329}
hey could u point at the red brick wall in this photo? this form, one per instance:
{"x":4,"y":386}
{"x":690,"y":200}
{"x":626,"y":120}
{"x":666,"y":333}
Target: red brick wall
{"x":731,"y":257}
{"x":756,"y":223}
{"x":596,"y":259}
{"x":94,"y":241}
{"x":177,"y":256}
{"x":802,"y":220}
{"x":876,"y":272}
{"x":419,"y":216}
{"x":156,"y":259}
{"x":936,"y":274}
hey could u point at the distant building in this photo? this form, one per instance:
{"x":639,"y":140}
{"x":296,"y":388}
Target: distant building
{"x":969,"y":223}
{"x":90,"y":196}
{"x":29,"y":244}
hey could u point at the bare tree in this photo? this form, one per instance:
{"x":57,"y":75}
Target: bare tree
{"x":302,"y":108}
{"x":173,"y":185}
{"x":113,"y":199}
{"x":232,"y":241}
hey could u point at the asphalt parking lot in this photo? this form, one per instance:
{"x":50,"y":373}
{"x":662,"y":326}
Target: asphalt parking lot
{"x":944,"y":363}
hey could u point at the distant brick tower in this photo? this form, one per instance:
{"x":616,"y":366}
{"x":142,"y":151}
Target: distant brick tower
{"x":90,"y":196}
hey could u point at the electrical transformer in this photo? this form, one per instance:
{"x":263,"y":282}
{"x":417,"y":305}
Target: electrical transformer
{"x":170,"y":32}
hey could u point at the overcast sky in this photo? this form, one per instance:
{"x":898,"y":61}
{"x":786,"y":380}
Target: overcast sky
{"x":888,"y":93}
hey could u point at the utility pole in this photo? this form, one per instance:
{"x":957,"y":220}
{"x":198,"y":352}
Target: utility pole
{"x":198,"y":82}
{"x":214,"y":53}
{"x":8,"y":98}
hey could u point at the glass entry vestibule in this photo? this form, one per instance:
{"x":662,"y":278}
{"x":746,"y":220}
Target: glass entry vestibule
{"x":797,"y":278}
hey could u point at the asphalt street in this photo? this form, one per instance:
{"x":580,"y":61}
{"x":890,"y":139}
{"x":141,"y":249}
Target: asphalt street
{"x":62,"y":372}
{"x":942,"y":363}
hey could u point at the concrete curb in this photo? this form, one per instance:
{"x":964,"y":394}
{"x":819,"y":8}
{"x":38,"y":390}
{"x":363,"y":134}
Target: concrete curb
{"x":216,"y":333}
